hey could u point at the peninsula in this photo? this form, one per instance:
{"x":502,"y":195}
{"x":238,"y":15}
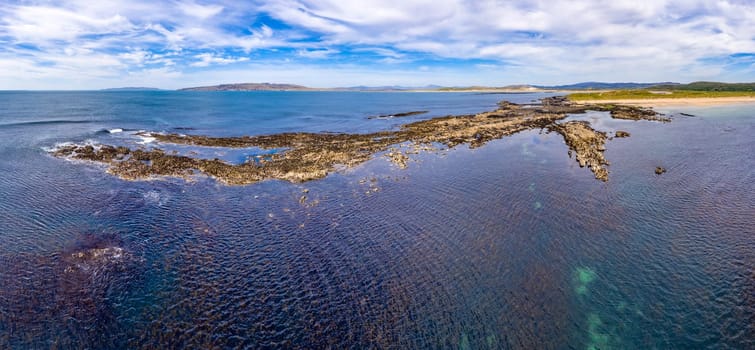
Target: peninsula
{"x":309,"y":156}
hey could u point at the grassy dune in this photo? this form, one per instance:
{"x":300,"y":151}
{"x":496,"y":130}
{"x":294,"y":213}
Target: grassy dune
{"x":654,"y":94}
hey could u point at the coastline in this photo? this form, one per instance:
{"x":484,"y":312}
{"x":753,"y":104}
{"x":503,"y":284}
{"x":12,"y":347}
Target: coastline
{"x":674,"y":102}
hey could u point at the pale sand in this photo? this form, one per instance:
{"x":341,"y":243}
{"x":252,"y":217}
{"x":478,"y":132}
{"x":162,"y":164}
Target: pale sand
{"x":667,"y":102}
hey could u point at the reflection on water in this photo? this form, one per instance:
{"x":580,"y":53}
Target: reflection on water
{"x":511,"y":245}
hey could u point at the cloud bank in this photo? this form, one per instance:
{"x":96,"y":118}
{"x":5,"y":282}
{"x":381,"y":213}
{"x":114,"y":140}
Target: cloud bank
{"x":82,"y":44}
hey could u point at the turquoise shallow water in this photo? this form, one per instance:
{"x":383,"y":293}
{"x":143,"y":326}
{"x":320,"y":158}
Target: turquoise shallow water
{"x":510,"y":245}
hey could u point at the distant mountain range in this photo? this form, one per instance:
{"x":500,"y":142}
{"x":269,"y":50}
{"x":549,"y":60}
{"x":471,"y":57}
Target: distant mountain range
{"x":594,"y":85}
{"x":294,"y":87}
{"x":507,"y":88}
{"x":132,"y":89}
{"x":250,"y":87}
{"x":700,"y":86}
{"x":388,"y":88}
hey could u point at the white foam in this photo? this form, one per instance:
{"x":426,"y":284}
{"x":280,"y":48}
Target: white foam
{"x":57,"y":146}
{"x":96,"y":145}
{"x":155,"y":198}
{"x":146,"y":139}
{"x":114,"y":131}
{"x":60,"y":145}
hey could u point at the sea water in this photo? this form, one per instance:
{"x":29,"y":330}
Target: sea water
{"x":510,"y":245}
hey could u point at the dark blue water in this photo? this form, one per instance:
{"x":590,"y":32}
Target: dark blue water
{"x":510,"y":245}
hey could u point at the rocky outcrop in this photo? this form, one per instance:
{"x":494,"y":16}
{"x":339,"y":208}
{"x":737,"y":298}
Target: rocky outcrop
{"x":587,"y":144}
{"x":309,"y":156}
{"x":397,"y":115}
{"x":628,"y":112}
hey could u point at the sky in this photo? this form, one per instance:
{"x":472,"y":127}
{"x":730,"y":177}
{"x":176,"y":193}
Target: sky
{"x":85,"y":44}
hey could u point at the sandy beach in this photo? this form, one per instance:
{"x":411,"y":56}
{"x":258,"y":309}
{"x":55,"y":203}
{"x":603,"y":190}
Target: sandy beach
{"x":668,"y":102}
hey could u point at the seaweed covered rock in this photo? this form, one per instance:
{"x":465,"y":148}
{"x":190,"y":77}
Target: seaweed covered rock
{"x":308,"y":156}
{"x":588,"y":145}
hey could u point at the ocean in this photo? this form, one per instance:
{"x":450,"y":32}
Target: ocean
{"x":507,"y":246}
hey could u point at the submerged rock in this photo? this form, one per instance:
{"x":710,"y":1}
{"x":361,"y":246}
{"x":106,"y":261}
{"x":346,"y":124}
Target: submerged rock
{"x":583,"y":276}
{"x":96,"y":258}
{"x":66,"y":292}
{"x":95,"y":253}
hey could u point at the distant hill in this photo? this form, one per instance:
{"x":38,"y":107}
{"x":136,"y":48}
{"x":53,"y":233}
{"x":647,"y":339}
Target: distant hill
{"x":593,"y":85}
{"x":508,"y":88}
{"x":372,"y":88}
{"x":387,"y":88}
{"x":708,"y":86}
{"x":696,"y":86}
{"x":129,"y":88}
{"x":249,"y":87}
{"x":293,"y":87}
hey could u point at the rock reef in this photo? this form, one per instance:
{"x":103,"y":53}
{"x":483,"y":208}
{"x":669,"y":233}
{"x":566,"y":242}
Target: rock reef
{"x":397,"y":115}
{"x":588,"y":145}
{"x":309,"y":156}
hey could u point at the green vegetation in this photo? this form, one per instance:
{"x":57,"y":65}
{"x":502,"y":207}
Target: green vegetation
{"x":655,"y":94}
{"x":697,"y":89}
{"x":708,"y":86}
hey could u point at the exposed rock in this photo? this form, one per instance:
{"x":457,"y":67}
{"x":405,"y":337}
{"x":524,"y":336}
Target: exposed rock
{"x":620,"y":133}
{"x":309,"y":156}
{"x":659,"y":170}
{"x":631,"y":112}
{"x":397,"y":158}
{"x":588,"y":145}
{"x":397,"y":115}
{"x":556,"y":101}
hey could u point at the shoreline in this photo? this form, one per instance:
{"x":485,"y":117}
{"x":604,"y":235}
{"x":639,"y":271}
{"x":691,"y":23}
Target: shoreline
{"x":674,"y":102}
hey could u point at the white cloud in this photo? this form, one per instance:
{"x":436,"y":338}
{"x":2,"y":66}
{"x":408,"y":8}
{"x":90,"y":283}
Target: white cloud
{"x":381,"y":51}
{"x":316,"y":53}
{"x":43,"y":24}
{"x":136,"y":57}
{"x":206,"y":59}
{"x":532,"y":40}
{"x":516,"y":29}
{"x":200,"y":11}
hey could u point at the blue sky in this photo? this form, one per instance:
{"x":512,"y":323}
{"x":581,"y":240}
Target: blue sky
{"x":85,"y":44}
